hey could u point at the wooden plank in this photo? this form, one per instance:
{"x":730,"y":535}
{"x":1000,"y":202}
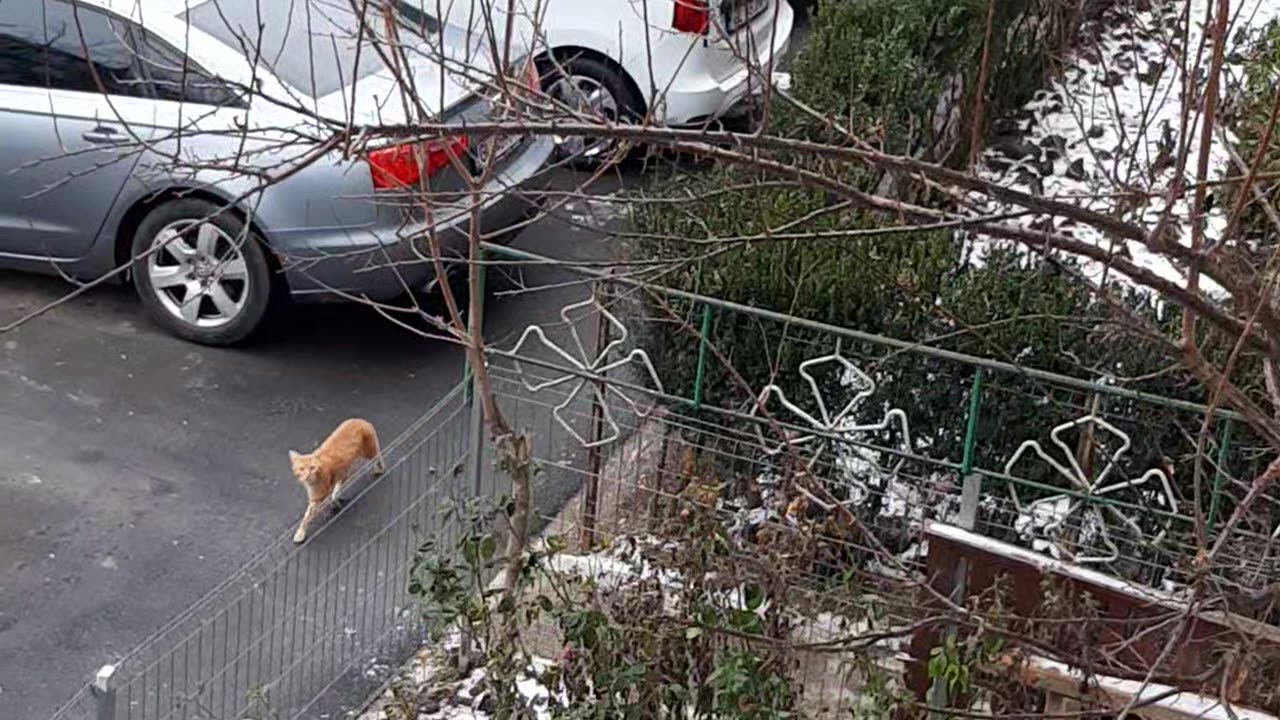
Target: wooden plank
{"x":1113,"y":694}
{"x":1140,"y":593}
{"x":1130,"y":629}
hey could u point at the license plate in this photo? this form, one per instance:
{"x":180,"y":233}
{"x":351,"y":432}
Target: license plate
{"x":739,"y":13}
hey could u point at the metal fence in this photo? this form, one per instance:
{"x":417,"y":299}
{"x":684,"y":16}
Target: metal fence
{"x":298,"y":631}
{"x":1104,"y":461}
{"x":1113,"y":495}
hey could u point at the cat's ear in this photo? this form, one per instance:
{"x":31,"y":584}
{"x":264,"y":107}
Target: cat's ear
{"x":293,"y":456}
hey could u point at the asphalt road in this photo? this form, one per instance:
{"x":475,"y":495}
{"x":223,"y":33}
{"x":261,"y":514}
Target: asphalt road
{"x":137,"y":471}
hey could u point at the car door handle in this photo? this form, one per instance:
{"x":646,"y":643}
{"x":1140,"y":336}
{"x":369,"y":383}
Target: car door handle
{"x":104,"y":135}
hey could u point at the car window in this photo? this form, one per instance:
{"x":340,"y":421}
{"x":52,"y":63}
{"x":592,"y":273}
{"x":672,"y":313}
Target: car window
{"x":21,"y":40}
{"x":174,"y":77}
{"x":54,"y":44}
{"x":415,"y":18}
{"x":311,"y":45}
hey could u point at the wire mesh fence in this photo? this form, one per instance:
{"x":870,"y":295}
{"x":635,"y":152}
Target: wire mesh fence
{"x":1111,"y":471}
{"x":299,"y":630}
{"x":1099,"y":472}
{"x":774,"y":484}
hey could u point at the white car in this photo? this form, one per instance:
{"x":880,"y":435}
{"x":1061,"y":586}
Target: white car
{"x":674,"y":62}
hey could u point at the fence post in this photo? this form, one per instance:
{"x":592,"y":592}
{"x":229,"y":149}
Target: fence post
{"x":475,"y":451}
{"x":971,"y":493}
{"x":1219,"y":475}
{"x":591,"y":496}
{"x":970,"y":497}
{"x":700,"y":374}
{"x":104,"y":694}
{"x":473,"y":471}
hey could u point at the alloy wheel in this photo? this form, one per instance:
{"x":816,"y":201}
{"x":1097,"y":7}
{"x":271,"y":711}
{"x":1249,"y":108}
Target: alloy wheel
{"x":198,"y":273}
{"x":591,"y":99}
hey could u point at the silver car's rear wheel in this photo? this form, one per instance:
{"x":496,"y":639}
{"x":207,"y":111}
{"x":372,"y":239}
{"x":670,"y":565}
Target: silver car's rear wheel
{"x":198,"y":273}
{"x":201,"y":271}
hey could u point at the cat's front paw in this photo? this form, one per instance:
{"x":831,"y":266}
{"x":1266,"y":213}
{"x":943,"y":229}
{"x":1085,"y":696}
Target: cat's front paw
{"x":299,"y":536}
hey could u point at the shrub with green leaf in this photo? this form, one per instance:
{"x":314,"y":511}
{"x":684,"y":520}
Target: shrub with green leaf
{"x":1249,"y":116}
{"x":903,"y":74}
{"x":665,"y":642}
{"x":879,"y":68}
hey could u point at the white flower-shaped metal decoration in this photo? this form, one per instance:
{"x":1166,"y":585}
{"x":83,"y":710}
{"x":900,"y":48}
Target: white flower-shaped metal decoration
{"x":1049,"y":514}
{"x":585,"y":363}
{"x":829,"y":426}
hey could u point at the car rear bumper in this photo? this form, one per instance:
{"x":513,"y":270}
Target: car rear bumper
{"x":389,"y":262}
{"x":697,"y":96}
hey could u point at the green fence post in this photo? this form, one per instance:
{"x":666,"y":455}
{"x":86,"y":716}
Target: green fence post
{"x":473,"y":467}
{"x":466,"y":362}
{"x":970,"y":496}
{"x":971,"y":427}
{"x":475,"y":455}
{"x":972,"y":489}
{"x":1220,"y":474}
{"x":700,"y":373}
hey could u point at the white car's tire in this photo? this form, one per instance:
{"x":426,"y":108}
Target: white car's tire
{"x":589,"y":87}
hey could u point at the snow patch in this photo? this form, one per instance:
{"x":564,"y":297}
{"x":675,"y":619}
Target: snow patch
{"x":1103,"y":136}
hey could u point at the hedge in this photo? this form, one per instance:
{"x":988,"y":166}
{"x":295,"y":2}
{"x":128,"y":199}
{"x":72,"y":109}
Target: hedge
{"x":881,"y":66}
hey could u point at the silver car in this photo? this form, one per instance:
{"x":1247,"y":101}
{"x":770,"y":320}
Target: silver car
{"x":200,"y":144}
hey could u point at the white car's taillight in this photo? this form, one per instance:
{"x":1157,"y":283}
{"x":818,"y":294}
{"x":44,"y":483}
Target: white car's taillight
{"x":691,"y":16}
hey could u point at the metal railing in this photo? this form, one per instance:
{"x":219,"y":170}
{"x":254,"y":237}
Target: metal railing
{"x":992,"y":401}
{"x":299,"y":630}
{"x":995,"y":428}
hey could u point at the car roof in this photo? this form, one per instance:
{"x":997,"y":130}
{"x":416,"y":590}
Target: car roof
{"x":171,"y":21}
{"x":141,"y":8}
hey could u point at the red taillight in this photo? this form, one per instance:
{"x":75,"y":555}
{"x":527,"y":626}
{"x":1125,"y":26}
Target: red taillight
{"x":691,"y":16}
{"x":533,"y":77}
{"x":401,"y":166}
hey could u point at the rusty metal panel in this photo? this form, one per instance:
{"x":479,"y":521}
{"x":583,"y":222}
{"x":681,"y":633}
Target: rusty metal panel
{"x":1126,"y":629}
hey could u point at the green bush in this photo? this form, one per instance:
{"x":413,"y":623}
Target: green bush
{"x":881,"y":64}
{"x":864,"y":64}
{"x":870,"y":285}
{"x":1249,"y":115}
{"x":873,"y":64}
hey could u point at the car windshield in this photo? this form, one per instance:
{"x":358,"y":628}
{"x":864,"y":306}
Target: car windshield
{"x":311,"y":45}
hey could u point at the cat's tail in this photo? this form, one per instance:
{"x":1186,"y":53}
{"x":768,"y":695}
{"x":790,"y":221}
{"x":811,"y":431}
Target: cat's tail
{"x":372,"y":449}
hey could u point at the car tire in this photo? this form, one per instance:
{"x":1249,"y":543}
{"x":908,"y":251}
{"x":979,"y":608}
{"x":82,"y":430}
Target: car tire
{"x":617,"y":99}
{"x":201,"y":272}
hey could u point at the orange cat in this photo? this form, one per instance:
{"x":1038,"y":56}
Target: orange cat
{"x":324,"y":471}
